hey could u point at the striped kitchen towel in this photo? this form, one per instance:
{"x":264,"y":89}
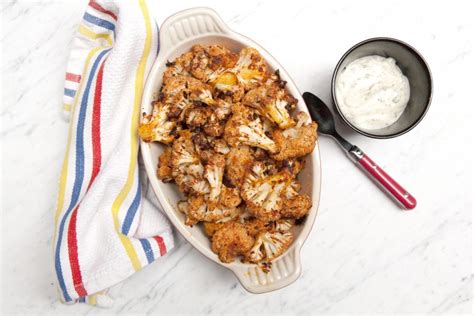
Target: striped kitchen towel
{"x":106,"y":225}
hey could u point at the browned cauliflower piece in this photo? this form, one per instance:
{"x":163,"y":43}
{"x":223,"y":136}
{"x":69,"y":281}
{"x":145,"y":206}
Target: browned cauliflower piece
{"x":220,"y":146}
{"x":293,"y":165}
{"x":180,"y":67}
{"x":268,"y":246}
{"x":229,"y":197}
{"x":230,"y":241}
{"x":297,"y":141}
{"x":214,"y":127}
{"x":297,"y":207}
{"x":165,"y":171}
{"x":282,"y":225}
{"x":264,"y":194}
{"x":272,"y":102}
{"x":186,"y":166}
{"x":238,"y":161}
{"x":251,"y":68}
{"x":157,"y":126}
{"x":245,"y":127}
{"x":221,"y":57}
{"x":197,"y":210}
{"x":214,"y":172}
{"x":255,"y":225}
{"x":211,"y":228}
{"x":208,"y":62}
{"x":197,"y":116}
{"x":228,"y":85}
{"x":181,"y":92}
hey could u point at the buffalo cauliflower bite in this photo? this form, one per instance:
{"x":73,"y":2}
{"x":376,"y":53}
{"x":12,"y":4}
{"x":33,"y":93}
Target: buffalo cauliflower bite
{"x":157,"y":127}
{"x":164,"y":170}
{"x":264,"y":194}
{"x":230,"y":241}
{"x":238,"y":161}
{"x":297,"y":141}
{"x":268,"y":246}
{"x":245,"y":127}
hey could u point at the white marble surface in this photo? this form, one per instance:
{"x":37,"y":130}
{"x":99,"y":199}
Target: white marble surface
{"x":364,"y":254}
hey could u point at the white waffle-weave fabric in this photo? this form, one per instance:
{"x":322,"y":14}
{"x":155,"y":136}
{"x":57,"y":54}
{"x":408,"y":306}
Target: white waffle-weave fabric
{"x":106,"y":226}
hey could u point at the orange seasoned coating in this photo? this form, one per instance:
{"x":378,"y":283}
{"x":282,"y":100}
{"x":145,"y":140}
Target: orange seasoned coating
{"x":210,"y":228}
{"x":238,"y":161}
{"x":296,"y":207}
{"x":164,"y":171}
{"x":295,"y":142}
{"x":234,"y":148}
{"x":230,"y":241}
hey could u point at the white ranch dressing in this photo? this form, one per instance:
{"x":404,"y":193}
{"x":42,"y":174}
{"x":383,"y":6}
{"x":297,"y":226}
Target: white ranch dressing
{"x":372,"y":92}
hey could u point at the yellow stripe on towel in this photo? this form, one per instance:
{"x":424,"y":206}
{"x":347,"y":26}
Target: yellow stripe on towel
{"x":139,"y":81}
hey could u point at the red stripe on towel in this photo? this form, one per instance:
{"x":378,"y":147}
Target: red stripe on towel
{"x":73,"y":77}
{"x":99,"y":8}
{"x":161,"y":245}
{"x":96,"y":146}
{"x":73,"y":255}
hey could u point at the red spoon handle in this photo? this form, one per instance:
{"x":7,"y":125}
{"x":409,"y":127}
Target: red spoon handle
{"x":381,"y":177}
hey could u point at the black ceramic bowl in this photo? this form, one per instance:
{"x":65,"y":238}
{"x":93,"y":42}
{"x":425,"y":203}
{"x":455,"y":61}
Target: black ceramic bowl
{"x":413,"y":66}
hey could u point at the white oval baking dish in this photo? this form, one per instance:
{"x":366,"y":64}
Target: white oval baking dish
{"x":177,"y":35}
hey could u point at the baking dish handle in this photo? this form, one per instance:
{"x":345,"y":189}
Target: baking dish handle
{"x":189,"y":24}
{"x":284,"y":271}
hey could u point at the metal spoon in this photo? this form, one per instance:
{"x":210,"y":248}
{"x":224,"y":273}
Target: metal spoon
{"x":323,"y":116}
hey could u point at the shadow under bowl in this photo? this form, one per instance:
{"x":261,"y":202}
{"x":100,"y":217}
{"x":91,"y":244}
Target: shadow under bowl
{"x":413,"y":66}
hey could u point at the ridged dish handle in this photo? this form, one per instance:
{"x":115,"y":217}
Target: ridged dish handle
{"x":284,"y":271}
{"x":188,"y":24}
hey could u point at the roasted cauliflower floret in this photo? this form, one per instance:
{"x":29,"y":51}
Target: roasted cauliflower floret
{"x":264,"y":194}
{"x":255,"y":225}
{"x":186,"y":166}
{"x":208,"y":62}
{"x":180,"y":67}
{"x":229,"y":197}
{"x":282,"y":225}
{"x":293,"y":165}
{"x":198,"y":210}
{"x":211,"y":228}
{"x":268,"y":246}
{"x":251,"y":68}
{"x":157,"y":126}
{"x":245,"y":127}
{"x":183,"y":91}
{"x":230,"y":241}
{"x":297,"y":207}
{"x":214,"y":172}
{"x":214,"y":127}
{"x":165,"y":170}
{"x":297,"y":141}
{"x":274,"y":103}
{"x":197,"y":116}
{"x":220,"y":146}
{"x":238,"y":162}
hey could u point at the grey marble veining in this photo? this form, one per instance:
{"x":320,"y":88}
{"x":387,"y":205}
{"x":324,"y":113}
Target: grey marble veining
{"x":364,"y":255}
